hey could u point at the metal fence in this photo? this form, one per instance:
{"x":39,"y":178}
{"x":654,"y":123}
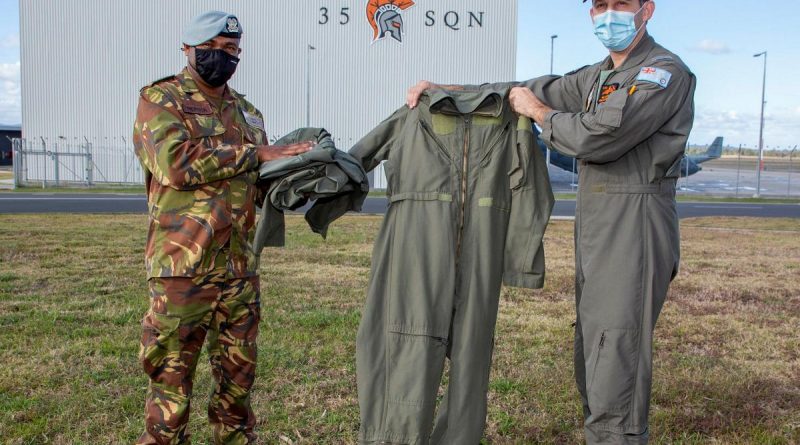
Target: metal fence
{"x":66,"y":163}
{"x":86,"y":163}
{"x":734,"y":175}
{"x":40,"y":163}
{"x":737,"y":175}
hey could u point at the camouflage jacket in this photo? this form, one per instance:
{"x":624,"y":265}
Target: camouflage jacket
{"x":200,"y":163}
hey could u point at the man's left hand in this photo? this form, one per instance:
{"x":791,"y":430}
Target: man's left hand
{"x":525,"y":103}
{"x":268,"y":153}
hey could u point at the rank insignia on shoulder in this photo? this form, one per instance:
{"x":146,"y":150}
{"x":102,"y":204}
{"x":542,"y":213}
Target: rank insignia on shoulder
{"x":654,"y":75}
{"x":664,"y":58}
{"x":170,"y":77}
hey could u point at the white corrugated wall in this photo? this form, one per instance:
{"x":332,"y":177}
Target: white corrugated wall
{"x":83,"y":61}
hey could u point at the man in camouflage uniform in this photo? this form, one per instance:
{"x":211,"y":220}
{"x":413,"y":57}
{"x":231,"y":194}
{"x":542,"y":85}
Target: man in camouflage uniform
{"x":200,"y":143}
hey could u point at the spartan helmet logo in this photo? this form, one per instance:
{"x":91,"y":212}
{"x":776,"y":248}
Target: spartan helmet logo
{"x":385,"y":18}
{"x":391,"y":22}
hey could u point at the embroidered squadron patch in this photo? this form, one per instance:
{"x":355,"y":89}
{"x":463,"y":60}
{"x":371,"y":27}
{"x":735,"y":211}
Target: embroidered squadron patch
{"x":606,"y":91}
{"x":232,"y":25}
{"x":654,"y":75}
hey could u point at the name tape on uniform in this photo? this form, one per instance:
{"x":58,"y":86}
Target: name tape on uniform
{"x":253,"y":121}
{"x":654,"y":75}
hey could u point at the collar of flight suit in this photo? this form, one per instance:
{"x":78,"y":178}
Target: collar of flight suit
{"x":483,"y":102}
{"x":189,"y":86}
{"x":636,"y":58}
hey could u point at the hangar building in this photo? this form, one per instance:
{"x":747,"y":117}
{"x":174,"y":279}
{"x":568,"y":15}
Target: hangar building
{"x":304,"y":62}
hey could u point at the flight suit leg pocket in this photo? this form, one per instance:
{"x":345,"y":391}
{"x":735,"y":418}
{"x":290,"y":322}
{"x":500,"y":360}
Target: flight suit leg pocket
{"x":613,"y":374}
{"x":415,"y":363}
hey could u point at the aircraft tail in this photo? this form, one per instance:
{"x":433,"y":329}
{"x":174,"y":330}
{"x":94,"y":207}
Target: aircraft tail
{"x":715,"y":149}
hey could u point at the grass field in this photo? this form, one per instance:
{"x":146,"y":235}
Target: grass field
{"x":72,"y":293}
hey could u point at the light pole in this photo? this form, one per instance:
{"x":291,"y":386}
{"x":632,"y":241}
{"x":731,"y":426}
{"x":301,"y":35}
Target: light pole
{"x":789,"y":187}
{"x":552,"y":48}
{"x":761,"y":130}
{"x":308,"y":85}
{"x":574,"y":180}
{"x":738,"y":168}
{"x":685,"y":157}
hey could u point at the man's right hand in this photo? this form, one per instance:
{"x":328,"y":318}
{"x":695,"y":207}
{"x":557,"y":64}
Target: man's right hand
{"x":268,"y":153}
{"x":412,"y":97}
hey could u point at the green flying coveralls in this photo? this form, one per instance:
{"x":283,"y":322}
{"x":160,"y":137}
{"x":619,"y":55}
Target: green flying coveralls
{"x":628,"y":128}
{"x":330,"y":177}
{"x":470,"y":199}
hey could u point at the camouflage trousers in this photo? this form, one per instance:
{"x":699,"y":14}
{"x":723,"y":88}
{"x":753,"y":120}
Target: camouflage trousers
{"x":183,"y":312}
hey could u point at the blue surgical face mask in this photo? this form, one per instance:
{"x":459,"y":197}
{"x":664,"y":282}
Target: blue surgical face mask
{"x":616,"y":29}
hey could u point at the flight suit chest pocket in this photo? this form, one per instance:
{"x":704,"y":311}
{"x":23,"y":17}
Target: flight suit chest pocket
{"x":203,"y":126}
{"x":609,"y":113}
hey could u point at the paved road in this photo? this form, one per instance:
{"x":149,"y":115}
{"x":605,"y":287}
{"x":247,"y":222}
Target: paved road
{"x":91,"y":203}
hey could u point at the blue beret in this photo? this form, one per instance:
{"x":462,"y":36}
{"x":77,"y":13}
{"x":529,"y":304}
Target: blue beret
{"x":210,"y":24}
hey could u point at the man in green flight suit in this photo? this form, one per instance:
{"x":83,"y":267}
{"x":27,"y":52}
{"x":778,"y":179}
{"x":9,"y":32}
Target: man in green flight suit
{"x":200,"y":143}
{"x":627,"y":120}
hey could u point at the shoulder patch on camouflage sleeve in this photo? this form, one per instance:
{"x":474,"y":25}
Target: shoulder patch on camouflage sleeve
{"x":155,"y":94}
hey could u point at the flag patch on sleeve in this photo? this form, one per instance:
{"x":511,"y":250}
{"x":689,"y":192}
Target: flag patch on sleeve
{"x":654,"y":75}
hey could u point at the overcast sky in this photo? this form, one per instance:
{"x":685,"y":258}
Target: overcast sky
{"x":717,"y":39}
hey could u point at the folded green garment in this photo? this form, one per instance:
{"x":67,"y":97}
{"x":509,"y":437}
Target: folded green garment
{"x":330,"y":177}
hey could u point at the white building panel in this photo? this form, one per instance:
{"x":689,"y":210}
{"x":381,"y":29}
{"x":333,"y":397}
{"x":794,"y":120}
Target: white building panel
{"x":84,"y":61}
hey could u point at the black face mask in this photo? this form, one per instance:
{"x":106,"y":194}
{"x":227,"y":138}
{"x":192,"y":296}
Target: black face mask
{"x":215,"y":66}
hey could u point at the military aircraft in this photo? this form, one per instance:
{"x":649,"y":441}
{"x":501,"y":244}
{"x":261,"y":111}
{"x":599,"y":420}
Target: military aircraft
{"x":690,"y":164}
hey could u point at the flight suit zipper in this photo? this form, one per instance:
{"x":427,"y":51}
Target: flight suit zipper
{"x":464,"y":166}
{"x":597,"y":359}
